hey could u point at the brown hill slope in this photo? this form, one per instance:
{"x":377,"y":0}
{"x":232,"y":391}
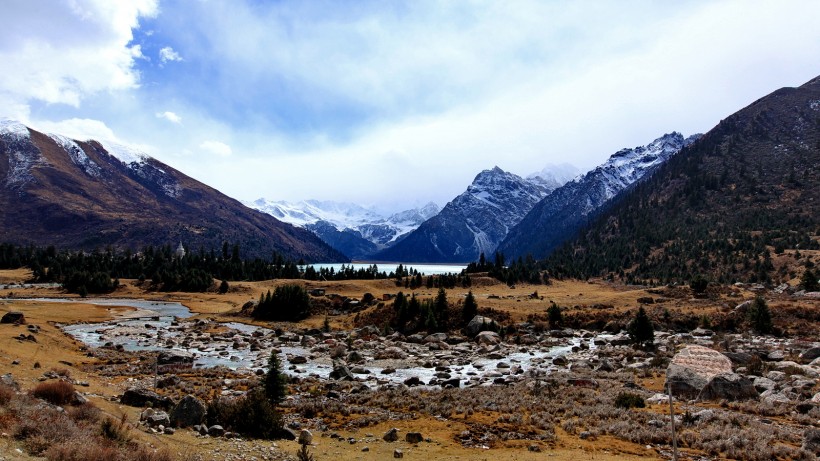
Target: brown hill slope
{"x":721,"y":207}
{"x":79,"y":195}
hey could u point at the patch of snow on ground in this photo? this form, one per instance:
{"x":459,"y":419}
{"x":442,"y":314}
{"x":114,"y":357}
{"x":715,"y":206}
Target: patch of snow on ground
{"x":123,"y":153}
{"x":77,"y":154}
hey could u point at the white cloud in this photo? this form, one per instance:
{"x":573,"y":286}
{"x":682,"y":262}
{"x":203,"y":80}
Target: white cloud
{"x":168,"y":54}
{"x":170,"y":116}
{"x":61,"y":52}
{"x":217,"y":148}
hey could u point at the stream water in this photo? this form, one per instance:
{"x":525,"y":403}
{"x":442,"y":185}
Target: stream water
{"x":156,"y":326}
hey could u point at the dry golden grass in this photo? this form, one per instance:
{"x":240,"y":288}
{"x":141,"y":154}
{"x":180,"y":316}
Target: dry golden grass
{"x":53,"y":348}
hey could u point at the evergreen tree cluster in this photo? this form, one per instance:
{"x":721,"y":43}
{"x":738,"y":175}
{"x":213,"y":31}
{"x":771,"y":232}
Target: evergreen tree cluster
{"x":164,"y":270}
{"x":432,"y":315}
{"x":289,"y":303}
{"x":522,"y":270}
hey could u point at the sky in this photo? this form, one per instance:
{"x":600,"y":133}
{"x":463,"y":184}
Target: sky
{"x":385,"y":103}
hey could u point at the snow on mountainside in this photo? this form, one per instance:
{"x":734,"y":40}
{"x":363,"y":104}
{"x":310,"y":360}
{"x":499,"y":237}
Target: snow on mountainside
{"x":352,"y":229}
{"x":22,"y":158}
{"x":475,"y":222}
{"x":554,"y":176}
{"x":565,"y":210}
{"x":341,"y":215}
{"x":86,"y":194}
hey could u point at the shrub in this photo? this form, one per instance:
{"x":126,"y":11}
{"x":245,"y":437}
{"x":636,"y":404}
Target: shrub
{"x":85,"y":450}
{"x":251,"y":415}
{"x":116,"y":431}
{"x":6,"y":393}
{"x":55,"y":392}
{"x":629,"y":400}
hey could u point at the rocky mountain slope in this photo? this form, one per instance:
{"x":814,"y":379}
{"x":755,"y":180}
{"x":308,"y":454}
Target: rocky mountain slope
{"x":472,"y":223}
{"x":562,"y":213}
{"x":86,"y":195}
{"x":356,"y":231}
{"x":726,"y":207}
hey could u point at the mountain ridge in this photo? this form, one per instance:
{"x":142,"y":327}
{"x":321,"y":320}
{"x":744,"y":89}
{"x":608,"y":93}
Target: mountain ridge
{"x":565,"y":210}
{"x":724,"y":208}
{"x":472,"y":223}
{"x":85,"y":195}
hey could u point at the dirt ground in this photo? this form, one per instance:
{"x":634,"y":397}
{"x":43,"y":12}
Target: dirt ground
{"x":55,"y":350}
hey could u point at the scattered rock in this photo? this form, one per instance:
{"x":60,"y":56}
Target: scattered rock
{"x":413,"y":437}
{"x":391,"y":436}
{"x":9,"y":381}
{"x":692,"y":368}
{"x":488,"y":338}
{"x":298,"y":359}
{"x":480,"y":323}
{"x":398,"y":453}
{"x":811,"y":440}
{"x":188,"y":412}
{"x":305,"y":437}
{"x":810,"y":354}
{"x":13,"y":317}
{"x":413,"y":381}
{"x":729,"y":386}
{"x":137,"y":397}
{"x":216,"y":431}
{"x":341,"y":372}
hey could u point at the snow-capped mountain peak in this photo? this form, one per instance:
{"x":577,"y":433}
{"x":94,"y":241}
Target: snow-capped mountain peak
{"x":566,"y":209}
{"x":14,"y":129}
{"x":355,"y":230}
{"x":554,"y":176}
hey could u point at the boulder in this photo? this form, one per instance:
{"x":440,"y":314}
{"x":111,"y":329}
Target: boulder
{"x":216,"y":431}
{"x":305,"y":437}
{"x":413,"y":437}
{"x":488,"y":338}
{"x":398,"y":454}
{"x":701,"y":373}
{"x":188,"y":412}
{"x":175,"y":358}
{"x":435,"y":338}
{"x":137,"y":397}
{"x":391,"y":436}
{"x":810,"y":354}
{"x":391,"y":353}
{"x":728,"y":386}
{"x":341,"y":372}
{"x":742,"y":359}
{"x":480,"y":323}
{"x":13,"y":317}
{"x":298,"y":360}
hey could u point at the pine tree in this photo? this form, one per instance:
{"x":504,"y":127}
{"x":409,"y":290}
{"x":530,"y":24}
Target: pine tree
{"x":640,"y":330}
{"x":808,"y":281}
{"x":759,"y":316}
{"x":275,"y":381}
{"x":470,"y":309}
{"x":442,"y":309}
{"x":554,"y":316}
